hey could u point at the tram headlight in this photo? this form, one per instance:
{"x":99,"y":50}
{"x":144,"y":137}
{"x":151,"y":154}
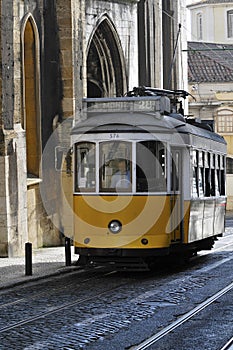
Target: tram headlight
{"x":115,"y":226}
{"x":144,"y":241}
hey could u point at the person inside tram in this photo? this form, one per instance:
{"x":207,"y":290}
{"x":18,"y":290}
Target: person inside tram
{"x":121,"y":179}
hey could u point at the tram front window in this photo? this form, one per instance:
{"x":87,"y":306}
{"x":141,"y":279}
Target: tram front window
{"x":151,"y":167}
{"x":85,"y":167}
{"x":115,"y":166}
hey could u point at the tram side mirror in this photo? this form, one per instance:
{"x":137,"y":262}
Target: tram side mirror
{"x":63,"y":159}
{"x":58,"y":158}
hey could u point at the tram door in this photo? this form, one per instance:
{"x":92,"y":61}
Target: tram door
{"x":176,"y":195}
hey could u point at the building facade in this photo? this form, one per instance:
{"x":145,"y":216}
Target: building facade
{"x":206,"y":15}
{"x":54,"y":53}
{"x":210,"y":77}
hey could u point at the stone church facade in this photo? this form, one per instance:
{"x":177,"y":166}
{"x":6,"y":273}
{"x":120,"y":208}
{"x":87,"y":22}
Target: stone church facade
{"x":54,"y":53}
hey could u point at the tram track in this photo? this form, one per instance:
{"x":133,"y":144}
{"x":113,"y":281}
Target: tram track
{"x":40,"y":294}
{"x":52,"y":293}
{"x":71,"y":284}
{"x":80,"y":301}
{"x":228,"y":345}
{"x":98,"y":319}
{"x":186,"y":317}
{"x":92,"y":278}
{"x":56,"y":309}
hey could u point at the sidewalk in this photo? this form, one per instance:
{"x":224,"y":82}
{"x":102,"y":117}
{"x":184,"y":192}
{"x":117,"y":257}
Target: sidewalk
{"x":45,"y":262}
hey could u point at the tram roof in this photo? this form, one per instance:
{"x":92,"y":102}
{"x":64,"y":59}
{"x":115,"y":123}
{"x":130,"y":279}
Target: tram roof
{"x":125,"y":122}
{"x":201,"y":132}
{"x":142,"y":122}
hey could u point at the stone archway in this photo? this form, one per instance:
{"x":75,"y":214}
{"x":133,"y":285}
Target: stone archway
{"x":106,"y":75}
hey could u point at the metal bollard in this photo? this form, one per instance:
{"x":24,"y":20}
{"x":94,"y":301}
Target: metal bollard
{"x":28,"y":259}
{"x":67,"y":251}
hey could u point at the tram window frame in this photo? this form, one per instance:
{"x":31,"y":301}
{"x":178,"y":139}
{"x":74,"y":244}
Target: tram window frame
{"x":151,"y":179}
{"x":208,"y":174}
{"x":222,"y":175}
{"x":109,"y":166}
{"x":194,"y":186}
{"x":217,"y":179}
{"x":201,"y":180}
{"x":207,"y":187}
{"x":175,"y":170}
{"x":85,"y":170}
{"x":212,"y":176}
{"x":199,"y":174}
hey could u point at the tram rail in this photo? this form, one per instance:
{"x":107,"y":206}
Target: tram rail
{"x":32,"y":297}
{"x":57,"y":309}
{"x":186,"y":317}
{"x":143,"y":345}
{"x":228,"y":345}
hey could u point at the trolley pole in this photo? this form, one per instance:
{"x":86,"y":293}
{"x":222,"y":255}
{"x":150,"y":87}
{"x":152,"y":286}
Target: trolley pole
{"x":67,"y":251}
{"x":28,"y":259}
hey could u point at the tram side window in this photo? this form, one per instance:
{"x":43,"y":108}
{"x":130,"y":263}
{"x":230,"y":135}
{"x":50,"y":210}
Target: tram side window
{"x":85,"y":167}
{"x":207,"y":186}
{"x":175,"y":180}
{"x":195,"y":174}
{"x":151,"y":167}
{"x":208,"y":174}
{"x":217,"y":175}
{"x":198,"y":180}
{"x":115,"y":172}
{"x":222,"y":176}
{"x":201,"y":180}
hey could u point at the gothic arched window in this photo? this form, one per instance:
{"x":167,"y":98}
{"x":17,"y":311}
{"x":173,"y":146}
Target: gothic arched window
{"x":31,"y":96}
{"x":106,"y":76}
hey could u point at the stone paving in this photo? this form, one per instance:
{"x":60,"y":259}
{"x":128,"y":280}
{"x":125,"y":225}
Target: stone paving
{"x":45,"y":262}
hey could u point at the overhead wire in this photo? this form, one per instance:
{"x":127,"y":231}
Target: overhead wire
{"x":207,"y":45}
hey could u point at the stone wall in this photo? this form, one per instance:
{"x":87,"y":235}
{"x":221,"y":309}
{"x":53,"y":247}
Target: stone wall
{"x":13,"y":207}
{"x":64,"y":20}
{"x":13,"y":222}
{"x":22,"y":215}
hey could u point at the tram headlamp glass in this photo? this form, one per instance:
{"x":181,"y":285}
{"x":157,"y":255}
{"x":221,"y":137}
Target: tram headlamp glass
{"x":144,"y":241}
{"x":115,"y":226}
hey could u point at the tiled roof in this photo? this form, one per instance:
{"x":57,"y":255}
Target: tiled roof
{"x":210,"y":62}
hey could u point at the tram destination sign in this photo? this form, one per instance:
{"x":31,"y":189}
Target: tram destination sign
{"x":147,"y":104}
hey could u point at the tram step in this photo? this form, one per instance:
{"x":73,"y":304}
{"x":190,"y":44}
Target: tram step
{"x":121,"y":263}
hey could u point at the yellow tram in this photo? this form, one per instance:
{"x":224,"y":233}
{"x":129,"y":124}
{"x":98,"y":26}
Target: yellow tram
{"x":147,"y":181}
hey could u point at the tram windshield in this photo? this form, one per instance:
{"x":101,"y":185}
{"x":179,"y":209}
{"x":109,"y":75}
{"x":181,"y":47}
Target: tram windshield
{"x":107,"y":167}
{"x":115,"y":166}
{"x":151,"y":167}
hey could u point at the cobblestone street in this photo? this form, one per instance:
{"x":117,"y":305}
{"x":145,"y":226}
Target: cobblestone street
{"x":98,"y":309}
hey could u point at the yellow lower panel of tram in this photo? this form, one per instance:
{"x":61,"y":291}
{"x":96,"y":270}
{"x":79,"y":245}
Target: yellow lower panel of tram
{"x":141,"y":217}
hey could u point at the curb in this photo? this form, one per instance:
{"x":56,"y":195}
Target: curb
{"x":27,"y":279}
